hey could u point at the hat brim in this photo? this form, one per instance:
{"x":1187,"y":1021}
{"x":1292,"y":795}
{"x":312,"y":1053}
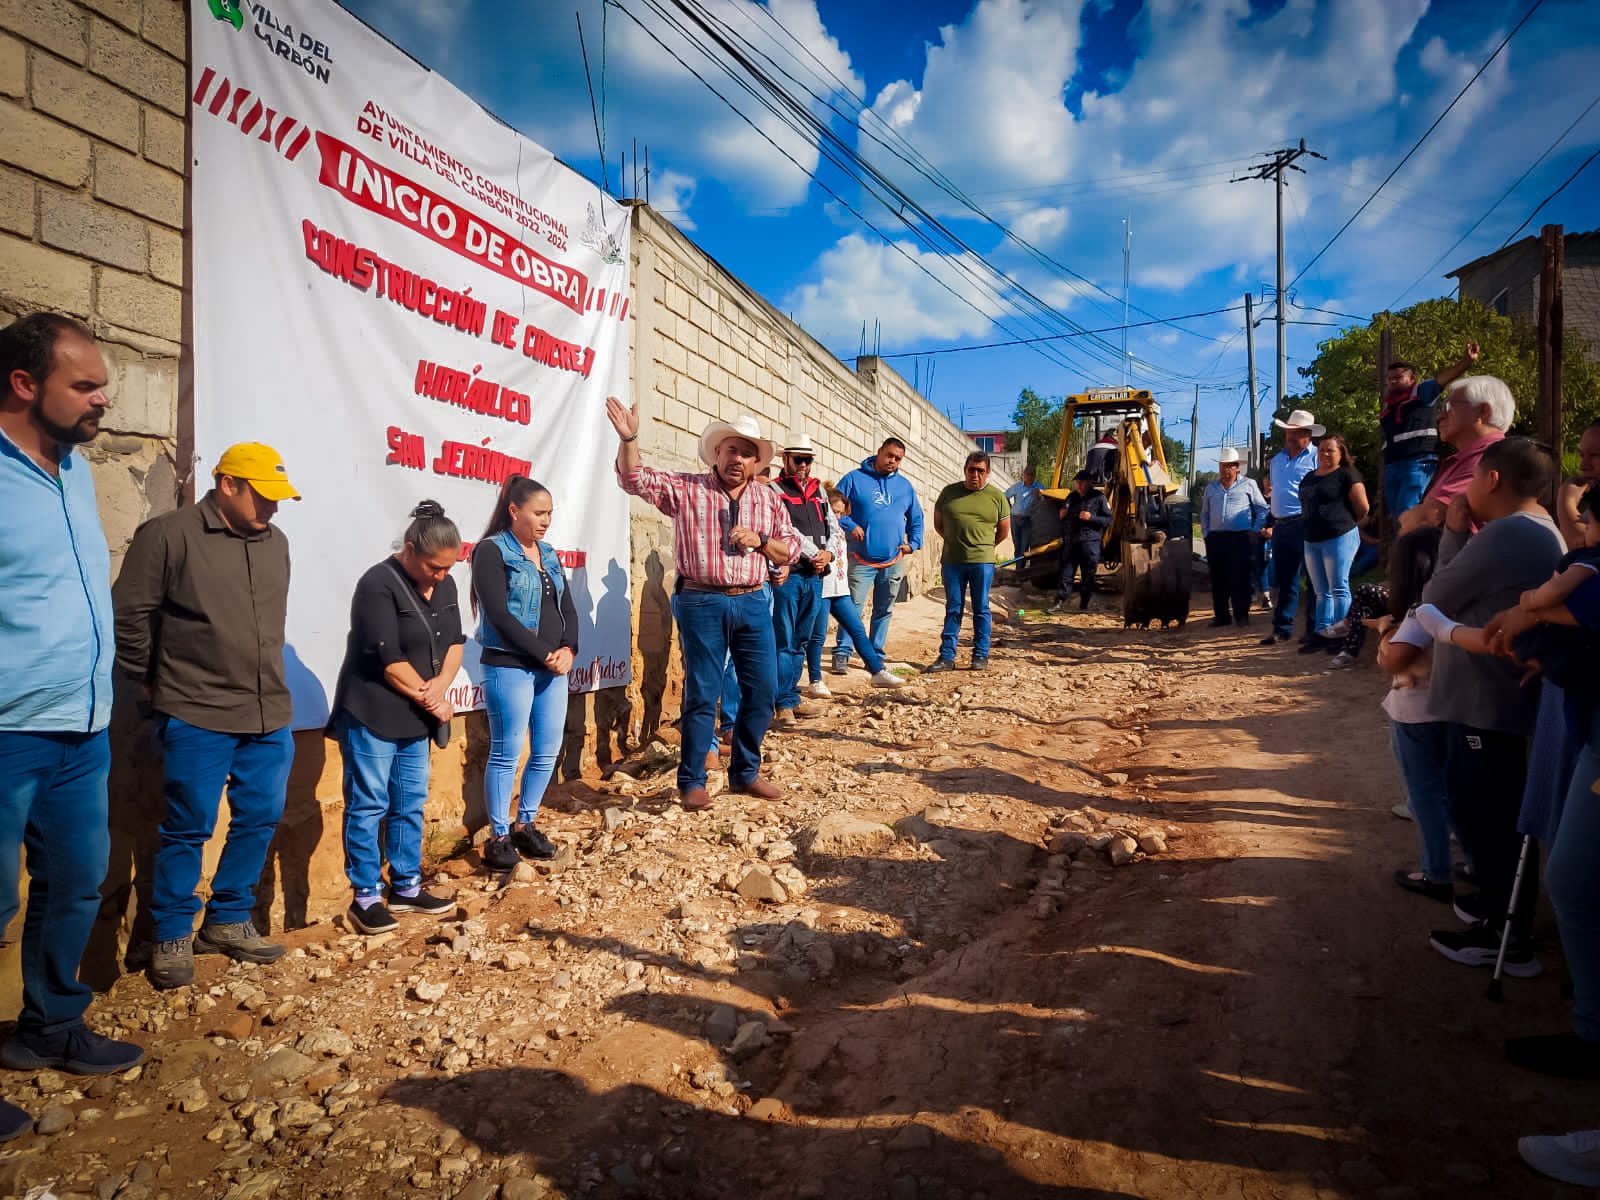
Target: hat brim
{"x":1316,"y":430}
{"x":721,"y":432}
{"x":277,"y":490}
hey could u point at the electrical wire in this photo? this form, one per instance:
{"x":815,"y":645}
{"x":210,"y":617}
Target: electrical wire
{"x":1533,"y":8}
{"x":1050,"y":337}
{"x":1581,"y":168}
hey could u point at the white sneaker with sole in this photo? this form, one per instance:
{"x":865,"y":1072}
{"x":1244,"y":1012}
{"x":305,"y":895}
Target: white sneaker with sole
{"x":887,"y":679}
{"x":817,"y":690}
{"x":1570,"y":1157}
{"x":1342,"y":661}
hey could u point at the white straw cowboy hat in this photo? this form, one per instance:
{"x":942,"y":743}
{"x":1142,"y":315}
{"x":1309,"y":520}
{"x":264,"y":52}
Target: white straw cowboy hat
{"x":800,"y":443}
{"x":1301,"y":419}
{"x":743,"y":426}
{"x":1230,"y":455}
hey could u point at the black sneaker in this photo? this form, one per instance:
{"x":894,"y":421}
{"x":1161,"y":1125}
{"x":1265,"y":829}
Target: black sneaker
{"x":1313,"y":644}
{"x":499,"y":854}
{"x":938,"y":665}
{"x":1416,"y":881}
{"x":1473,"y":909}
{"x":1273,"y":638}
{"x":1219,"y":622}
{"x":13,"y":1122}
{"x":78,"y":1050}
{"x":980,"y":664}
{"x":422,"y":901}
{"x":841,"y":666}
{"x":1564,"y":1054}
{"x":1479,"y":946}
{"x":371,"y":918}
{"x":530,"y":843}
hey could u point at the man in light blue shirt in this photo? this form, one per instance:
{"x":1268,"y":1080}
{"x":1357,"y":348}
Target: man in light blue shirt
{"x":55,"y":693}
{"x":1232,"y":512}
{"x":1023,"y":495}
{"x":1288,"y":467}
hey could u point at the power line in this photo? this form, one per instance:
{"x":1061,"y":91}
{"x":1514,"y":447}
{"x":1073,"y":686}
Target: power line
{"x":1581,"y":168}
{"x":1332,"y":312}
{"x":1548,"y":150}
{"x":1533,"y":8}
{"x":1051,"y":337}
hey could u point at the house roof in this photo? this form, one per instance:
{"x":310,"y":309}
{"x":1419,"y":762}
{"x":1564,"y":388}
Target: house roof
{"x":1568,"y":247}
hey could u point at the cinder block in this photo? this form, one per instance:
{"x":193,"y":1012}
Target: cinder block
{"x":76,"y":223}
{"x":13,"y":67}
{"x":163,"y":138}
{"x":45,"y":278}
{"x":139,"y":67}
{"x":16,"y":202}
{"x":123,"y":12}
{"x":140,"y":304}
{"x":164,"y":22}
{"x":57,"y":25}
{"x":166,"y":255}
{"x":42,"y":146}
{"x":78,"y":98}
{"x":127,"y":182}
{"x":144,"y":393}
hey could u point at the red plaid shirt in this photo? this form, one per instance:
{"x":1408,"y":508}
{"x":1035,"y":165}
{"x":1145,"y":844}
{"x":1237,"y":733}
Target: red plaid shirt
{"x":703,"y":515}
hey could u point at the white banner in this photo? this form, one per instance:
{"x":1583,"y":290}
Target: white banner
{"x":409,"y":300}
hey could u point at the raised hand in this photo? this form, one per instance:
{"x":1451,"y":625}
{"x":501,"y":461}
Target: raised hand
{"x":624,"y":418}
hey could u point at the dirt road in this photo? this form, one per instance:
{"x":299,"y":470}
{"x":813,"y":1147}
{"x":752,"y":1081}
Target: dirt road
{"x":948,"y":1010}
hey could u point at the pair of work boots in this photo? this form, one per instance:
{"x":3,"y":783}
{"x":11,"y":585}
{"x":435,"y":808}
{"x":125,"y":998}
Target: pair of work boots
{"x":172,"y":962}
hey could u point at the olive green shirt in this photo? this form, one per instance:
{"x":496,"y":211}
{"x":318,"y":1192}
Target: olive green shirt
{"x":970,"y":519}
{"x":200,"y":617}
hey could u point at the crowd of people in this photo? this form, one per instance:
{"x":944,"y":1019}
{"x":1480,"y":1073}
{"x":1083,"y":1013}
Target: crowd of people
{"x":1485,"y":622}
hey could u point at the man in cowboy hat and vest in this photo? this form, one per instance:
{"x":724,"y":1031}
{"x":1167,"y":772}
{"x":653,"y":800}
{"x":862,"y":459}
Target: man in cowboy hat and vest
{"x":1409,"y":431}
{"x":1287,"y":468}
{"x":726,"y":534}
{"x":1232,"y":513}
{"x":797,"y":608}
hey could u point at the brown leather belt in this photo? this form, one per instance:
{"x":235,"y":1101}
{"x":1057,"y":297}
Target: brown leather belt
{"x":694,"y":585}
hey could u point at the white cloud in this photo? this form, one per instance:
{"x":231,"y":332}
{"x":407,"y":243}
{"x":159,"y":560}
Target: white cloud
{"x":673,"y":192}
{"x":1040,"y":225}
{"x":913,"y":295}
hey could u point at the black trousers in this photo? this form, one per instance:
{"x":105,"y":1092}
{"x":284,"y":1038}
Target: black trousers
{"x":1230,"y":556}
{"x":1081,"y":559}
{"x":1485,"y":772}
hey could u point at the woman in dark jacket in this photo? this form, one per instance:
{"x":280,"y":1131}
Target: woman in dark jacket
{"x":529,"y":631}
{"x":1333,"y":500}
{"x":402,"y":655}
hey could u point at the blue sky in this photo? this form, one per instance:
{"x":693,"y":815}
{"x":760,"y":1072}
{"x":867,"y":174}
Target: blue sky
{"x":1058,"y":120}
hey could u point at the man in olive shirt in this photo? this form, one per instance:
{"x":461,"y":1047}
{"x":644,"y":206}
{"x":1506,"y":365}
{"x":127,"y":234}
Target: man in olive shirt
{"x":972,"y":517}
{"x":200,"y":603}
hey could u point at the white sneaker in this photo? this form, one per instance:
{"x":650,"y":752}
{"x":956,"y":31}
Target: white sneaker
{"x":887,"y":679}
{"x":1342,"y":660}
{"x":1334,"y":632}
{"x":817,"y":690}
{"x":1569,"y":1157}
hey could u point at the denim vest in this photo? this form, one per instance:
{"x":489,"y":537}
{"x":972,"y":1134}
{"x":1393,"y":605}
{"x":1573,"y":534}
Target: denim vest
{"x":524,"y":594}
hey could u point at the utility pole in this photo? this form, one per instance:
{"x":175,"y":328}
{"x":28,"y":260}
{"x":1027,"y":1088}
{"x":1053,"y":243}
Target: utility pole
{"x":1253,"y":457}
{"x":1127,"y":263}
{"x":1385,"y":357}
{"x":1551,"y":321}
{"x":1194,"y":438}
{"x":1273,"y":168}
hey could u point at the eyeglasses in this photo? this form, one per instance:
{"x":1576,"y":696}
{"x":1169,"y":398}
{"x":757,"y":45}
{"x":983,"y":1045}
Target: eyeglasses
{"x":800,"y":460}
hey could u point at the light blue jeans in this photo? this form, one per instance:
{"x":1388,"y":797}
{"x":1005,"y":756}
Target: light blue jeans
{"x":385,"y":783}
{"x":1328,"y":564}
{"x":883,"y":584}
{"x":521,"y":703}
{"x":1419,"y":748}
{"x":1573,"y":881}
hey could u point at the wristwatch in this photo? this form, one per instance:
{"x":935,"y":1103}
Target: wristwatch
{"x":762,"y":544}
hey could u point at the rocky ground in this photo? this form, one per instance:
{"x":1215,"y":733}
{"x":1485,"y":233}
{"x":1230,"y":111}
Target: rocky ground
{"x":1112,"y":920}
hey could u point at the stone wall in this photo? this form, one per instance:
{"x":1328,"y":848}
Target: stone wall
{"x":93,"y":146}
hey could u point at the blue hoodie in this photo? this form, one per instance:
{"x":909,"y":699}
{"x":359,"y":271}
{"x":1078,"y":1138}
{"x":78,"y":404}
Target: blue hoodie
{"x":886,"y":507}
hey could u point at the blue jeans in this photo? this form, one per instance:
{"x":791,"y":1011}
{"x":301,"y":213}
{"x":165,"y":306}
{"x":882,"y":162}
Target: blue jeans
{"x":1328,"y":563}
{"x":521,"y":702}
{"x":797,"y":603}
{"x":1404,"y":482}
{"x":1420,"y":750}
{"x":1573,"y":882}
{"x":843,"y":610}
{"x":712,"y":625}
{"x":728,"y":708}
{"x":958,"y":579}
{"x":1021,"y":534}
{"x":53,"y":802}
{"x":198,"y":763}
{"x":883,"y":583}
{"x":1288,"y":569}
{"x":385,"y":782}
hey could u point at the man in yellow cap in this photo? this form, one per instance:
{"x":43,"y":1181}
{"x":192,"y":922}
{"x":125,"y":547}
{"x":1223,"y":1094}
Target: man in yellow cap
{"x":201,"y":602}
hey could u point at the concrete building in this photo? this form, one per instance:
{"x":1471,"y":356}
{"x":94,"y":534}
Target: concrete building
{"x":1508,"y":282}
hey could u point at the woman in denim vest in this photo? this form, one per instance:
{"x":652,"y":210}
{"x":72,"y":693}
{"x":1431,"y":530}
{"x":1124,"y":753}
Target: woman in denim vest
{"x":528,"y":629}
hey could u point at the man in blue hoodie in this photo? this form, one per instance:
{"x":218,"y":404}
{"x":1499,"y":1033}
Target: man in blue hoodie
{"x":883,"y":527}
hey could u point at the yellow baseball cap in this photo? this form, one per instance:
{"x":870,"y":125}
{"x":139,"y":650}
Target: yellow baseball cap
{"x":260,"y":466}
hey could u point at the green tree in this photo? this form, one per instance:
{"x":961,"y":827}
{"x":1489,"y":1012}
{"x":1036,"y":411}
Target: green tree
{"x":1342,"y":388}
{"x":1038,"y":418}
{"x":1177,"y":457}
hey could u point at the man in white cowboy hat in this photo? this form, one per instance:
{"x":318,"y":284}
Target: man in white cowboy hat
{"x":1232,"y":514}
{"x":727,"y":534}
{"x":797,"y":609}
{"x":1287,"y":468}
